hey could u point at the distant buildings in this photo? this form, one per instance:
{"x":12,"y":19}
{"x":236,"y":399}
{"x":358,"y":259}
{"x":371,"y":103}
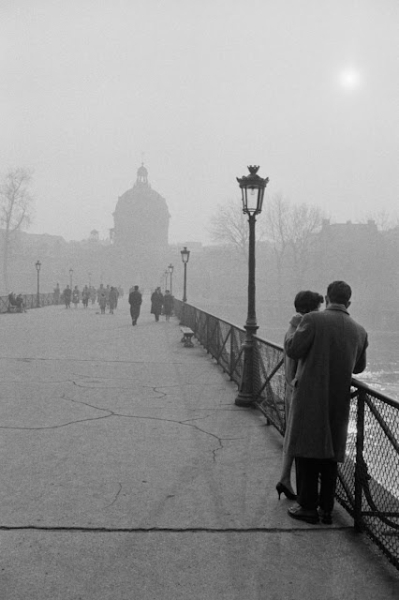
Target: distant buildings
{"x":137,"y":251}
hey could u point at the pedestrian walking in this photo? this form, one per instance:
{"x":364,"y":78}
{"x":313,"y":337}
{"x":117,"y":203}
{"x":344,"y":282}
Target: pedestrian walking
{"x":76,"y":296}
{"x":156,"y":303}
{"x":112,"y":299}
{"x":135,"y":300}
{"x":67,"y":294}
{"x":168,"y":301}
{"x":85,"y":296}
{"x":330,"y":346}
{"x":102,"y":298}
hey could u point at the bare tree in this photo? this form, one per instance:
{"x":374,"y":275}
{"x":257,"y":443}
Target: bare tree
{"x":278,"y":231}
{"x":305,"y":221}
{"x":290,"y":229}
{"x":15,"y":210}
{"x":229,"y":226}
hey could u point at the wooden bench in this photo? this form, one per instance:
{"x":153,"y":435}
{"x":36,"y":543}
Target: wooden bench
{"x":187,"y":335}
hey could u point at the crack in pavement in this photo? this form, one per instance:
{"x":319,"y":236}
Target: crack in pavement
{"x":308,"y":530}
{"x":112,"y":413}
{"x":115,"y":498}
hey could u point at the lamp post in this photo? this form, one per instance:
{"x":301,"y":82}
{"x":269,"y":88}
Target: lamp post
{"x":166,"y":273}
{"x":185,"y":255}
{"x":70,"y":277}
{"x":38,"y":264}
{"x":170,"y":269}
{"x":253,"y":189}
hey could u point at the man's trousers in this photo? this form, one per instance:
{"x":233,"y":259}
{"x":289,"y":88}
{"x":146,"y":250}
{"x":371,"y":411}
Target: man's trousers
{"x":308,"y":471}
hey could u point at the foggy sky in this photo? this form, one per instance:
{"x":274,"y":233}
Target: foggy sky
{"x":203,"y":88}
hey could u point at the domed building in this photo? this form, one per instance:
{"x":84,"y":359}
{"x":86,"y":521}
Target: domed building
{"x":141,"y":216}
{"x":140,"y":233}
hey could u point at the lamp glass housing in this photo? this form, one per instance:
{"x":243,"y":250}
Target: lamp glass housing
{"x":38,"y":264}
{"x":185,"y":254}
{"x":170,"y":268}
{"x":252,"y":189}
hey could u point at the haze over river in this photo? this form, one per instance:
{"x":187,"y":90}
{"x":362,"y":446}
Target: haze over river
{"x":382,"y":372}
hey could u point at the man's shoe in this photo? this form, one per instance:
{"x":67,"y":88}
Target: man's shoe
{"x":326,"y":517}
{"x":301,"y":514}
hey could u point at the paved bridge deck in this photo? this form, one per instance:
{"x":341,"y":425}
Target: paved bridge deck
{"x":127,"y":472}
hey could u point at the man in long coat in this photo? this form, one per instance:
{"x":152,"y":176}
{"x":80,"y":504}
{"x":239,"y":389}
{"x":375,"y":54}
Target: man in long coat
{"x":156,"y":303}
{"x":135,"y":300}
{"x":330,"y":346}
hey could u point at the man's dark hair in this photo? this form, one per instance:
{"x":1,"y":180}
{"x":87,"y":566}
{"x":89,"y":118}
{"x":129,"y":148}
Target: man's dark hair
{"x":339,"y":292}
{"x":136,"y":287}
{"x":306,"y":301}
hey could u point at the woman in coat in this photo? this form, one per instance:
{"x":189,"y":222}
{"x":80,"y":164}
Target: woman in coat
{"x":156,"y":303}
{"x":304,"y":302}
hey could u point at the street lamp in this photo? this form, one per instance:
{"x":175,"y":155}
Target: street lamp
{"x":38,"y":264}
{"x":166,"y":273}
{"x":253,"y":189}
{"x":170,"y":269}
{"x":70,"y":277}
{"x":185,"y":255}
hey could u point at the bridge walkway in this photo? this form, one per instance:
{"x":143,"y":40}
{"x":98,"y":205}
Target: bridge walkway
{"x":127,"y":472}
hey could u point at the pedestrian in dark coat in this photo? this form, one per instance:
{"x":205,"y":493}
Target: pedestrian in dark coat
{"x":135,"y":300}
{"x":67,"y":295}
{"x":156,"y":303}
{"x":168,"y":301}
{"x":330,"y":346}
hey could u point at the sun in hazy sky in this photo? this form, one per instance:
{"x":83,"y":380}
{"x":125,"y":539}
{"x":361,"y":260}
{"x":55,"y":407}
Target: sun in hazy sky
{"x":350,"y":78}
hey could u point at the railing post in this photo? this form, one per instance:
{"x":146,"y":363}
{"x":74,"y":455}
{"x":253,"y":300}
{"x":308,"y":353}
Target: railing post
{"x":359,"y":466}
{"x":232,"y":356}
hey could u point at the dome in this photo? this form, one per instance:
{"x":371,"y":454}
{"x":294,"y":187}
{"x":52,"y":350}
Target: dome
{"x":141,"y":217}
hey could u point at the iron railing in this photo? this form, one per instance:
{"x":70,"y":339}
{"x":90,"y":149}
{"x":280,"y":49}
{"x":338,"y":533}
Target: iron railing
{"x":368,"y":480}
{"x":30,"y":301}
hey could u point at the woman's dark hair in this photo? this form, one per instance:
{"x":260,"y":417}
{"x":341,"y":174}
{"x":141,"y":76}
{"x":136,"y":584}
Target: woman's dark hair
{"x":306,"y":301}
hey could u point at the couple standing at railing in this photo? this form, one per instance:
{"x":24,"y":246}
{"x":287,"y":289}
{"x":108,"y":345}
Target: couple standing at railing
{"x":322,"y":351}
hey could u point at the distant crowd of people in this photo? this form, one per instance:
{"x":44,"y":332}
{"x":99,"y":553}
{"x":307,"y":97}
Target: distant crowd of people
{"x":107,"y":298}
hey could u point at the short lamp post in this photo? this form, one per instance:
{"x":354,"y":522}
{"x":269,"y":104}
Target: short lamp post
{"x":170,"y":269}
{"x":70,"y":277}
{"x":38,"y":264}
{"x":253,"y":189}
{"x":185,"y":255}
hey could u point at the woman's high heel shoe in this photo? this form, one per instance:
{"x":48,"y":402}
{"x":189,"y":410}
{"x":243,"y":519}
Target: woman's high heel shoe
{"x":282,"y":489}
